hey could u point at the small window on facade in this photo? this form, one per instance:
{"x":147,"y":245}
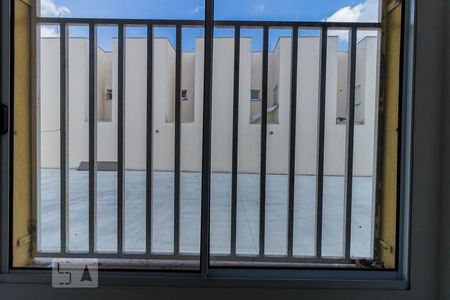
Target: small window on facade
{"x":109,"y":94}
{"x":358,"y":95}
{"x":342,"y":108}
{"x":255,"y":95}
{"x":184,"y":95}
{"x":275,"y":95}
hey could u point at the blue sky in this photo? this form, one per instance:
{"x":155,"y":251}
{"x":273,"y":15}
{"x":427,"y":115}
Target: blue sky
{"x":304,"y":10}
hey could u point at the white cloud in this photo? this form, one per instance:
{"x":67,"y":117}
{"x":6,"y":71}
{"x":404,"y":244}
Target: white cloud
{"x":197,"y":9}
{"x":363,"y":12}
{"x":50,"y":9}
{"x":259,"y":7}
{"x":48,"y":31}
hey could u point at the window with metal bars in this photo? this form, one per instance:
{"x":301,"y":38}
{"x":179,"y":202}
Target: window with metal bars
{"x":293,"y":193}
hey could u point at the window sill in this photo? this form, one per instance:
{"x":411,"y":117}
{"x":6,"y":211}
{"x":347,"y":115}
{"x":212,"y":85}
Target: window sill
{"x":222,"y":278}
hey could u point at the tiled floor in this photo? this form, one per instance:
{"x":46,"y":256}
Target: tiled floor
{"x":247,"y":214}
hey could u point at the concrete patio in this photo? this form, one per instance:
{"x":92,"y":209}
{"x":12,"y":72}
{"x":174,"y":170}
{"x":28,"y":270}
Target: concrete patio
{"x":247,"y":213}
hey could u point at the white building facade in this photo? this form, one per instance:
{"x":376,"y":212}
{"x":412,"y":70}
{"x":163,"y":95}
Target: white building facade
{"x":222,"y":105}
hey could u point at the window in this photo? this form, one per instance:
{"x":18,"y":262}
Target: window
{"x":153,"y":119}
{"x":109,"y":95}
{"x":184,"y":95}
{"x":275,"y":96}
{"x":255,"y":95}
{"x":263,"y":212}
{"x":359,"y":107}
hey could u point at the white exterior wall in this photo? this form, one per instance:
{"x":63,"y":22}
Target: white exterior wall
{"x":188,"y":83}
{"x":106,"y":130}
{"x":249,"y":134}
{"x":307,"y":103}
{"x":365,"y":135}
{"x":49,"y":104}
{"x":192,"y":80}
{"x":78,"y":78}
{"x":222,"y":103}
{"x":135,"y":99}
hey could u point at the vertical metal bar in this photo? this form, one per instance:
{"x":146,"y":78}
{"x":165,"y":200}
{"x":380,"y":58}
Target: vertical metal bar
{"x":92,"y":136}
{"x":177,"y":140}
{"x":350,"y":145}
{"x":321,"y":139}
{"x":206,"y":147}
{"x":292,"y":141}
{"x":64,"y":117}
{"x":237,"y":58}
{"x":120,"y":137}
{"x":149,"y":173}
{"x":262,"y":190}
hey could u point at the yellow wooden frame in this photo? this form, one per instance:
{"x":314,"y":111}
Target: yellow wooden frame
{"x":22,"y":209}
{"x":386,"y":237}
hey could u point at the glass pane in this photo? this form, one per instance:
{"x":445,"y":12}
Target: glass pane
{"x":50,"y":133}
{"x":246,"y":224}
{"x":335,"y":145}
{"x":249,"y":149}
{"x":130,"y":9}
{"x":107,"y":120}
{"x":135,"y":139}
{"x":222,"y":141}
{"x":278,"y":116}
{"x":191,"y":139}
{"x":366,"y":123}
{"x":163,"y":140}
{"x":175,"y":228}
{"x":308,"y":78}
{"x":78,"y":93}
{"x":294,"y":10}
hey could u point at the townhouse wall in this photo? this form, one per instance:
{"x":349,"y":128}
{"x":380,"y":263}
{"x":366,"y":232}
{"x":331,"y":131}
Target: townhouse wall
{"x":191,"y":128}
